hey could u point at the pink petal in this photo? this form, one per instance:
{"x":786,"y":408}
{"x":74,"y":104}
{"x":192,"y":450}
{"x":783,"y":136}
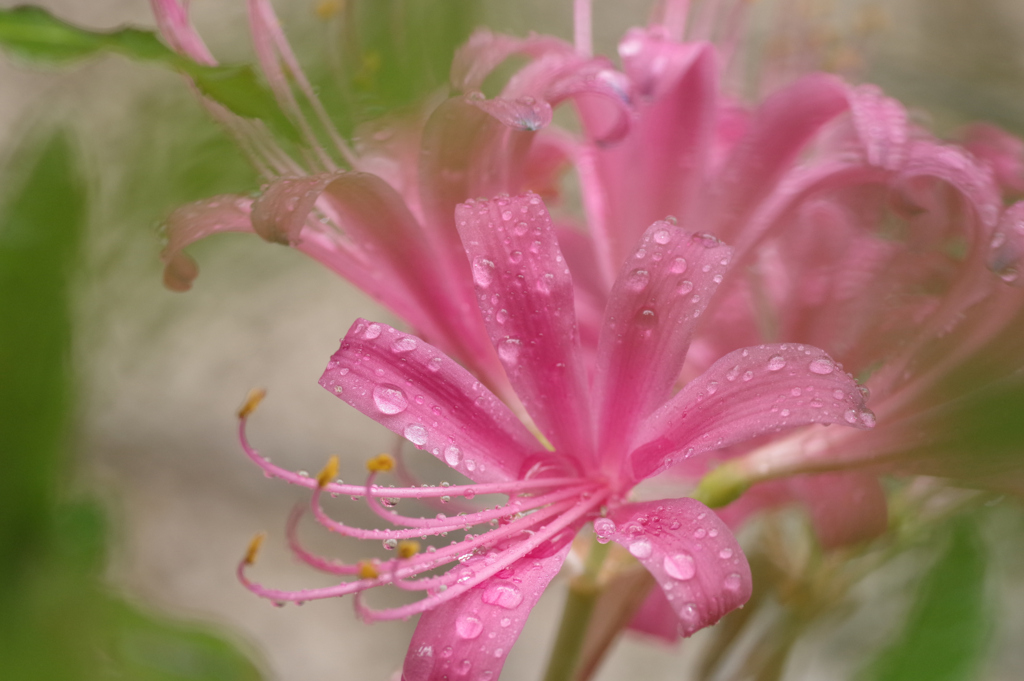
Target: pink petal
{"x":689,"y":551}
{"x":454,"y":640}
{"x":416,"y":391}
{"x":381,"y":249}
{"x":656,"y":617}
{"x":173,"y":23}
{"x":656,"y":302}
{"x":745,"y":394}
{"x":881,"y":124}
{"x":525,"y":293}
{"x":778,"y":130}
{"x":658,"y":169}
{"x":845,"y":508}
{"x":485,"y":51}
{"x":1001,"y":150}
{"x":194,"y":221}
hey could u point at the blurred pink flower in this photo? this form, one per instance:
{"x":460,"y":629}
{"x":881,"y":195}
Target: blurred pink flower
{"x":610,"y":425}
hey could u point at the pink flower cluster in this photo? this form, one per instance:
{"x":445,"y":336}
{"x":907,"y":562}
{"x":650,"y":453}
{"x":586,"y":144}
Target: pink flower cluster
{"x":560,"y":367}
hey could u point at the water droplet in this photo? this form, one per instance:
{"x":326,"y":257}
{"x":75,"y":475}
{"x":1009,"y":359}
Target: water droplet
{"x":680,"y":566}
{"x":725,"y":554}
{"x":464,"y":667}
{"x":604,"y":528}
{"x":416,"y":434}
{"x":662,"y":236}
{"x":389,"y":399}
{"x":446,"y":652}
{"x":850,"y":416}
{"x":637,"y":280}
{"x":403,"y":344}
{"x":503,"y":595}
{"x":434,"y":365}
{"x":520,"y":228}
{"x":483,"y":272}
{"x":732,"y":581}
{"x":509,"y":349}
{"x":685,"y":287}
{"x":822,"y":366}
{"x":748,"y":375}
{"x":468,"y":626}
{"x":646,"y":319}
{"x":372,"y":331}
{"x":700,"y":533}
{"x":452,"y":456}
{"x":501,"y":316}
{"x":505,"y":621}
{"x":390,"y":544}
{"x":641,"y":548}
{"x":867,"y":418}
{"x":678,"y":266}
{"x":776,"y":363}
{"x":515,"y":257}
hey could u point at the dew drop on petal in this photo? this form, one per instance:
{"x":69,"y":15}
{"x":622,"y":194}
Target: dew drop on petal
{"x":685,"y":287}
{"x":509,"y":349}
{"x":372,"y":331}
{"x":468,"y":626}
{"x":483,"y":272}
{"x":501,"y":316}
{"x":503,"y":595}
{"x":680,"y":566}
{"x":505,"y":621}
{"x":732,"y":581}
{"x":662,"y":236}
{"x":434,"y":365}
{"x":725,"y":554}
{"x":637,"y":280}
{"x":641,"y":548}
{"x":452,"y":455}
{"x":403,"y":344}
{"x":416,"y":434}
{"x":389,"y":399}
{"x":604,"y":528}
{"x":822,"y":366}
{"x":678,"y":266}
{"x":776,"y":363}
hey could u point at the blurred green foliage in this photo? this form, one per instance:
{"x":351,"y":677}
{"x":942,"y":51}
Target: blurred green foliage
{"x":946,"y":634}
{"x":58,"y":619}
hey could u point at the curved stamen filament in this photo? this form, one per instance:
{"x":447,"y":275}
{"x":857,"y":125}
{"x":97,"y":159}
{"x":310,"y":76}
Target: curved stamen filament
{"x":319,"y":562}
{"x":504,"y":560}
{"x":514,"y":486}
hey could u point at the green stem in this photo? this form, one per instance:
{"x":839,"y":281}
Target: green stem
{"x":579,"y":606}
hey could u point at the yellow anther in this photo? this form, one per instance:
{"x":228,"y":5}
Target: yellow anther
{"x":382,"y":463}
{"x":252,"y":400}
{"x":367,"y":570}
{"x":407,"y":548}
{"x":326,"y":9}
{"x":329,"y":472}
{"x":254,"y":548}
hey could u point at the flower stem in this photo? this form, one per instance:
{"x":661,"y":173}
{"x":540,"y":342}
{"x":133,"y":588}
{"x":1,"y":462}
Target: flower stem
{"x":579,"y":606}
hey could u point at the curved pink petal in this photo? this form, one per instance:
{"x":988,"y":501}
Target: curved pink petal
{"x":846,"y":508}
{"x":471,"y":635}
{"x":745,"y":394}
{"x":652,"y":311}
{"x":1001,"y":150}
{"x":416,"y":391}
{"x":193,"y":222}
{"x":776,"y":133}
{"x":485,"y":51}
{"x":881,"y":124}
{"x":656,"y":617}
{"x":658,"y":168}
{"x":174,"y":25}
{"x":525,"y":293}
{"x":690,"y":552}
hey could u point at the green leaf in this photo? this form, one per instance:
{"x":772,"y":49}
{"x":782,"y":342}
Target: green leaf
{"x":946,"y":633}
{"x":35,"y":34}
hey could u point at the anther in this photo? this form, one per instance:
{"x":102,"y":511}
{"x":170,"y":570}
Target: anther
{"x":407,"y":548}
{"x":254,"y":548}
{"x":382,"y":463}
{"x":367,"y":570}
{"x":252,"y":400}
{"x":328,"y":472}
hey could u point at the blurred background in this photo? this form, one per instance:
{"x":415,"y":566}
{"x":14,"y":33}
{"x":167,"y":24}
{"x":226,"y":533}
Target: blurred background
{"x":126,"y":500}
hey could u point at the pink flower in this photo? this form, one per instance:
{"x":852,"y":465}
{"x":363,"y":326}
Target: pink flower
{"x":611,"y":423}
{"x":379,"y":213}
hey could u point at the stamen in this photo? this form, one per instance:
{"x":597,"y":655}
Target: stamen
{"x":382,"y":463}
{"x":329,"y":472}
{"x":254,"y":548}
{"x":408,"y":548}
{"x":252,"y":400}
{"x":319,"y":562}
